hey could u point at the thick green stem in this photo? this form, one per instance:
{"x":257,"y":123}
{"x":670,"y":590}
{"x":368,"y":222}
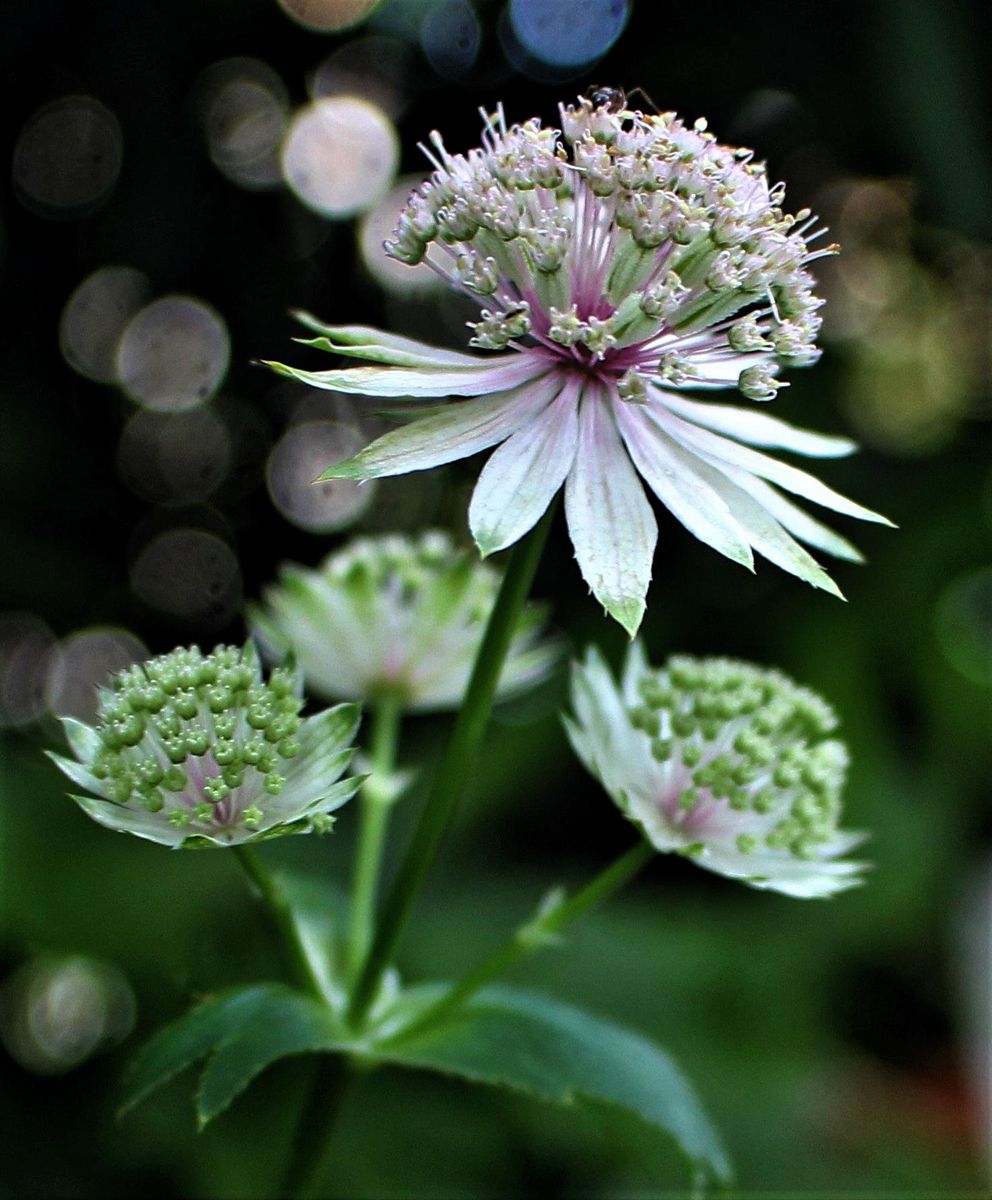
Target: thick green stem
{"x":376,"y":799}
{"x":457,"y":765}
{"x":537,"y":933}
{"x":281,"y":915}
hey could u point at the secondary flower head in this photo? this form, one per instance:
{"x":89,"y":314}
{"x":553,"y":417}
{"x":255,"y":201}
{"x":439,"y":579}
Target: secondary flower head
{"x":619,"y":263}
{"x":394,"y":615}
{"x":198,"y":750}
{"x":725,"y":762}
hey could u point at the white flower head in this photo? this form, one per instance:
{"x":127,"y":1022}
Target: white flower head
{"x":197,"y":750}
{"x":618,"y":264}
{"x":725,"y":762}
{"x":395,"y":616}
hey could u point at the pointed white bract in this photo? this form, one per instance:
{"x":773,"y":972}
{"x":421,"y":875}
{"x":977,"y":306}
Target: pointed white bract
{"x":394,"y":616}
{"x":618,"y":263}
{"x":727,"y":763}
{"x":194,"y":750}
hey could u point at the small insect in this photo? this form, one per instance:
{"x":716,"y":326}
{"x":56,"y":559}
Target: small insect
{"x":615,"y":99}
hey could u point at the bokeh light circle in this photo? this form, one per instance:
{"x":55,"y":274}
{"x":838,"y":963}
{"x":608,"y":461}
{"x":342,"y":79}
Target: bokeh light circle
{"x":244,"y":107}
{"x":189,"y":574}
{"x":340,"y":155}
{"x":171,"y":458}
{"x":173,"y":354}
{"x":564,"y":34}
{"x":375,"y":227}
{"x":56,"y":1013}
{"x":87,"y":660}
{"x":68,"y":157}
{"x":450,"y":38}
{"x":373,"y":68}
{"x":300,"y":455}
{"x":327,"y":16}
{"x":95,"y":317}
{"x":28,"y":650}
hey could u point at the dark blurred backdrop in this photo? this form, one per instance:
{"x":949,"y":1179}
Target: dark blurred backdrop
{"x":167,"y":193}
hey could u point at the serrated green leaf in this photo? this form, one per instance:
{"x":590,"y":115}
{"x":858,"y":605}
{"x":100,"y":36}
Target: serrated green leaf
{"x":556,"y":1052}
{"x":192,"y":1037}
{"x":289,"y":1024}
{"x":503,"y":1036}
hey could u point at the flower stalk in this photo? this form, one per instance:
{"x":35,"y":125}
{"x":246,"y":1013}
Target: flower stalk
{"x":537,"y":933}
{"x":277,"y":906}
{"x":456,"y":766}
{"x":377,"y":796}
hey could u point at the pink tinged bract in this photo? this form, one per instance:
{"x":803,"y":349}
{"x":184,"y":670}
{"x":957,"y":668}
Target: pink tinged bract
{"x":609,"y":518}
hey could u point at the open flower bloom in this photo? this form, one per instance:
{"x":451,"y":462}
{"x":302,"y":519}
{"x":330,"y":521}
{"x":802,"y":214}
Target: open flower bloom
{"x":722,"y":761}
{"x":198,"y":750}
{"x":621,"y":263}
{"x":395,"y":616}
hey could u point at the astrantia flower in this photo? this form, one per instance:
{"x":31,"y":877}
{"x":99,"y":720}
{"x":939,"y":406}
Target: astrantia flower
{"x":194,"y":750}
{"x":397,"y":616}
{"x":619,"y":264}
{"x":722,"y":761}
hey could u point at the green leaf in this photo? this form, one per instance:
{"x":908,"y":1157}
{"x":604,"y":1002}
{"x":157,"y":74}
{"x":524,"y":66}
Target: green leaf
{"x":503,"y":1036}
{"x":290,"y":1024}
{"x":559,"y":1053}
{"x":184,"y":1042}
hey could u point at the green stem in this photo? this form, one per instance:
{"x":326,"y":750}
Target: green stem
{"x":537,"y":933}
{"x":332,"y":1076}
{"x":281,"y":915}
{"x":457,"y":764}
{"x":376,"y":800}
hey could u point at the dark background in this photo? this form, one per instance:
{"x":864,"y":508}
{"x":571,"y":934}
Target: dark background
{"x":842,"y":1046}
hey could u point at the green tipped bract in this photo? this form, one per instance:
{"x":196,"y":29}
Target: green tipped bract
{"x":395,"y":616}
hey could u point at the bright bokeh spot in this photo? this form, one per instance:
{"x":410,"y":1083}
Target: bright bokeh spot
{"x":189,"y":574}
{"x":174,"y":457}
{"x":67,"y":157}
{"x":95,"y":317}
{"x":28,"y":649}
{"x":173,"y":354}
{"x":562,"y":33}
{"x":57,"y":1012}
{"x":340,"y":155}
{"x":450,"y":37}
{"x":375,"y":228}
{"x":87,"y":659}
{"x":244,"y":108}
{"x":327,"y":16}
{"x":302,"y":453}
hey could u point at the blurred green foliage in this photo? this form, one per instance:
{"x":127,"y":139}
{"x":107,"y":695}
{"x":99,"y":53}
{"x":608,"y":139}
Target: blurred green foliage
{"x":828,"y":1041}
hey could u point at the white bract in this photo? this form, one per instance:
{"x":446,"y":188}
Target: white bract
{"x":621,"y":262}
{"x":725,"y":762}
{"x":198,"y":750}
{"x":394,"y":616}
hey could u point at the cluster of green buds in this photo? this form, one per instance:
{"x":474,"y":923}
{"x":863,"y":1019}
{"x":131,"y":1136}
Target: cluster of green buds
{"x":727,"y":762}
{"x":193,"y":749}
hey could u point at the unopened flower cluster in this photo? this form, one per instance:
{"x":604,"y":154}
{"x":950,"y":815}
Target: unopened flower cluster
{"x":194,"y":749}
{"x":395,"y":616}
{"x":726,"y":762}
{"x":619,"y":263}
